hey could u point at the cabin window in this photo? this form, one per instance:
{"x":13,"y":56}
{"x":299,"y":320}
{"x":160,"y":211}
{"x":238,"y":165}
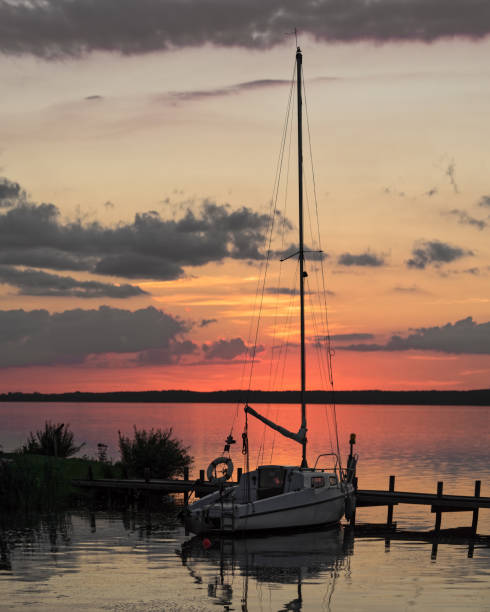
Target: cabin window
{"x":271,"y":482}
{"x":332,"y":480}
{"x":317,"y":482}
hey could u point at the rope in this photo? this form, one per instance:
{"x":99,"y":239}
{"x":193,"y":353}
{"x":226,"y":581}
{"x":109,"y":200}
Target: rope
{"x":329,"y":353}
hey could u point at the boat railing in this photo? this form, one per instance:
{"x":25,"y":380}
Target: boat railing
{"x":335,"y":467}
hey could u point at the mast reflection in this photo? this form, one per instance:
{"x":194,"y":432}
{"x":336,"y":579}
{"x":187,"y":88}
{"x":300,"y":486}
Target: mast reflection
{"x":285,"y":559}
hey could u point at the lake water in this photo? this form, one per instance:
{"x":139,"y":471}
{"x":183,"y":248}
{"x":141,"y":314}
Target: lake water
{"x":139,"y":562}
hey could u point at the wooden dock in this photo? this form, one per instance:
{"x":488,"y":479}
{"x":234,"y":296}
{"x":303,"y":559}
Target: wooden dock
{"x":438,"y":502}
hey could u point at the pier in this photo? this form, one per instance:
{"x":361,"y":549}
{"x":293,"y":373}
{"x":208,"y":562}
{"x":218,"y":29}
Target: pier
{"x":438,"y":502}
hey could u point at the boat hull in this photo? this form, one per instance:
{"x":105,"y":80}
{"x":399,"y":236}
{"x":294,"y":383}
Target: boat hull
{"x":299,"y":510}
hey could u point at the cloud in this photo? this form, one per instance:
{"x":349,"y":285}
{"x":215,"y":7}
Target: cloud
{"x":37,"y":337}
{"x":168,"y":355}
{"x":465,"y":219}
{"x":484,"y":201}
{"x":472,"y":271}
{"x":188,"y":96}
{"x":150,"y":247}
{"x":206,"y":322}
{"x":59,"y":28}
{"x":36,"y":282}
{"x":436,"y":253}
{"x":464,"y":336}
{"x":10,"y":192}
{"x":287,"y":252}
{"x":349,"y":337}
{"x":450,"y":173}
{"x":361,"y":259}
{"x":412,"y":289}
{"x":94,"y":97}
{"x":225,"y":349}
{"x":281,"y":290}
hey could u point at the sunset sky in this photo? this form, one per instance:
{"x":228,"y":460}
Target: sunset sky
{"x":138,"y":149}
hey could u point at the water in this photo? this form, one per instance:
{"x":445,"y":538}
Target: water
{"x":128,"y":563}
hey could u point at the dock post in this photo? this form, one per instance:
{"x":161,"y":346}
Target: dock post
{"x":202,"y":478}
{"x":389,"y":519}
{"x":437,"y":527}
{"x":238,"y":474}
{"x":353,"y":514}
{"x":186,"y":492}
{"x":474,"y":523}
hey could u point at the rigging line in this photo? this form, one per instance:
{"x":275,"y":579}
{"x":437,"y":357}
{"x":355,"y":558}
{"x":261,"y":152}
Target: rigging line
{"x":250,"y":353}
{"x":272,"y":219}
{"x":284,"y":350}
{"x":329,"y":349}
{"x":321,"y":366}
{"x":280,"y":361}
{"x":284,"y":228}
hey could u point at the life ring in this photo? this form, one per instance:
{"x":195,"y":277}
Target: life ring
{"x":212,"y":469}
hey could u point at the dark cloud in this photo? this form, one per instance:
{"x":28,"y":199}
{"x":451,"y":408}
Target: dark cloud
{"x":293,"y":249}
{"x":168,"y":355}
{"x":484,"y":201}
{"x":465,"y":219}
{"x":225,"y":349}
{"x":45,"y":257}
{"x":465,"y":336}
{"x":206,"y":322}
{"x":282,"y":290}
{"x":361,"y":259}
{"x":348,"y":337}
{"x":185,"y":96}
{"x":95,"y":97}
{"x":450,"y":173}
{"x":39,"y":338}
{"x":57,"y":28}
{"x":36,"y":282}
{"x":447,"y":273}
{"x":10,"y":192}
{"x":149,"y":247}
{"x":434,"y":253}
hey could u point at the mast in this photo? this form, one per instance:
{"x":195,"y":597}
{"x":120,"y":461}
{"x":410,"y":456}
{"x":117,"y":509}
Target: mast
{"x":302,"y":273}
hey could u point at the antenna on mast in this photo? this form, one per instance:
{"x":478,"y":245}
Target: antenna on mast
{"x":295,"y":32}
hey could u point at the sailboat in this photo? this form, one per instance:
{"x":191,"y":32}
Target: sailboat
{"x":279,"y":496}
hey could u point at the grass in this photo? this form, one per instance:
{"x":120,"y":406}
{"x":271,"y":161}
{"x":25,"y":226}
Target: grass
{"x":37,"y":483}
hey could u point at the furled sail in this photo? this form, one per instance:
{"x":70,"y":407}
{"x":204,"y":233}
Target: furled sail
{"x":300,"y":436}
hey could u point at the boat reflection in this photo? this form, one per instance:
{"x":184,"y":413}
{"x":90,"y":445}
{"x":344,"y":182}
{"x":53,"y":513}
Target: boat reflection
{"x":287,"y":559}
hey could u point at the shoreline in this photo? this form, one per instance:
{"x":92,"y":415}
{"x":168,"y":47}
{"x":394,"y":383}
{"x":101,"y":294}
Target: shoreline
{"x":476,"y":397}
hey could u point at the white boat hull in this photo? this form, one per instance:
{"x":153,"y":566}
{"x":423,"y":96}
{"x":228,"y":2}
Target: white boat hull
{"x":293,"y":510}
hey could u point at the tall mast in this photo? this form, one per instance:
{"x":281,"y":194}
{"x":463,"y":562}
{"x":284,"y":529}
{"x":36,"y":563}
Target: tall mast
{"x":302,"y":274}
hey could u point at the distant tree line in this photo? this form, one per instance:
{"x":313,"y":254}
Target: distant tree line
{"x":475,"y":397}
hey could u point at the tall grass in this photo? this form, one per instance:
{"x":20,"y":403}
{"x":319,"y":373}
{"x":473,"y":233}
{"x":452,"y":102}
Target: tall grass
{"x":55,"y":440}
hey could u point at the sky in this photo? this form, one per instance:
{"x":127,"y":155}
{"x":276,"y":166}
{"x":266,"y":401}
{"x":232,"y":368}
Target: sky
{"x":139,"y":143}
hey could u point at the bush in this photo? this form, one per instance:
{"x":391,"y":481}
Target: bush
{"x":56,"y":440}
{"x":156,"y":450}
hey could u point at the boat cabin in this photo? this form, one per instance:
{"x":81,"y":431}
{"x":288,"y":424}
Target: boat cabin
{"x":270,"y":480}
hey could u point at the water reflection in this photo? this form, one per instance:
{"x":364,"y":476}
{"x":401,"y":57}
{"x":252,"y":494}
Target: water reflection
{"x":36,"y":537}
{"x":287,"y":559}
{"x":131,"y":561}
